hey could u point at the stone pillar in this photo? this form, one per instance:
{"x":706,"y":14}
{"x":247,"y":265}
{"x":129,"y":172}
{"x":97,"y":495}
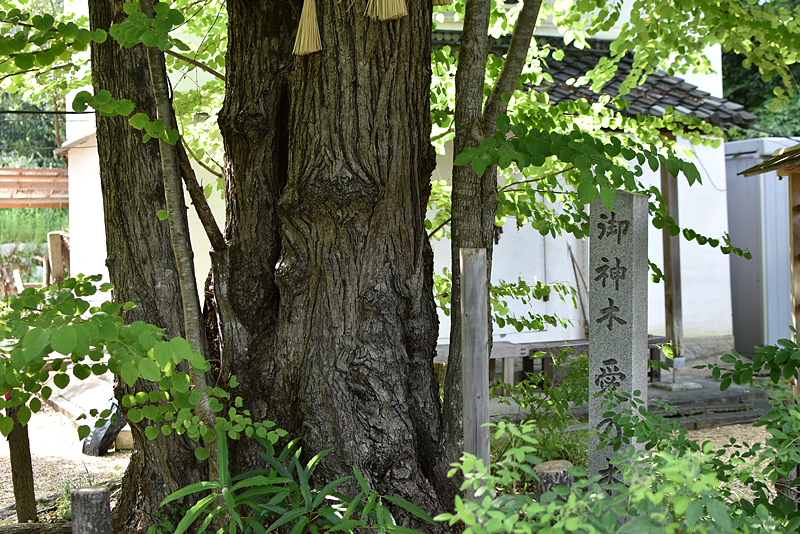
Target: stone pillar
{"x":617,"y":316}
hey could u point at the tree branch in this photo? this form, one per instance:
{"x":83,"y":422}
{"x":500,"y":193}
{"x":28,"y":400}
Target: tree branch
{"x":512,"y":67}
{"x":196,"y":63}
{"x":444,"y":223}
{"x":200,"y":161}
{"x":199,"y":201}
{"x":532,"y":180}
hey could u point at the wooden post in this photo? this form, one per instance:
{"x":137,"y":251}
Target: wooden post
{"x":46,"y":266}
{"x":56,"y":257}
{"x":673,"y":312}
{"x":21,"y":470}
{"x":475,"y":346}
{"x":91,"y":510}
{"x":552,"y":474}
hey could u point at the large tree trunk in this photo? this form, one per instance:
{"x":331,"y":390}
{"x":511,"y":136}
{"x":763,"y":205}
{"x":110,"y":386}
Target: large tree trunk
{"x":325,"y":294}
{"x":140,"y":261}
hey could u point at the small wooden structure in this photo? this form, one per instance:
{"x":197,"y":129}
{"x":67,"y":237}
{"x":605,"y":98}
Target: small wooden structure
{"x":786,"y":162}
{"x":34,"y":188}
{"x":56,"y":263}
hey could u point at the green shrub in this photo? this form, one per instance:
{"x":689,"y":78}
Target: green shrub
{"x":282,"y":496}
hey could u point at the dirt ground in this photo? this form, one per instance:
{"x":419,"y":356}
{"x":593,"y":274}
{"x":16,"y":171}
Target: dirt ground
{"x":58,"y":464}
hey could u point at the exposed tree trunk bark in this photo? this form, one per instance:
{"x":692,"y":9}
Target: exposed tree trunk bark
{"x":21,"y":470}
{"x":330,"y":323}
{"x":141,"y":261}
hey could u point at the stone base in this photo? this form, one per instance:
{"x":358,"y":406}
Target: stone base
{"x":699,"y":348}
{"x":676,"y":386}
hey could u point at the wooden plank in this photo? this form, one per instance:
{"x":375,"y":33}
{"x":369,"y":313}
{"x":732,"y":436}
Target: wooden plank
{"x":52,"y":202}
{"x":56,"y":256}
{"x":673,"y":312}
{"x":475,"y":346}
{"x":794,"y":228}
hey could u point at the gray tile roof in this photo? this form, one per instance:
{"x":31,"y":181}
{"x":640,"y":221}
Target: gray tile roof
{"x":651,"y":98}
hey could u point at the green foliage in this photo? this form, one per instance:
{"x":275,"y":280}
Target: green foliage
{"x":31,"y":225}
{"x":55,"y":332}
{"x":550,"y":405}
{"x":28,"y":140}
{"x":502,"y":292}
{"x":589,"y":166}
{"x":281,"y":496}
{"x":663,"y":492}
{"x":138,"y":28}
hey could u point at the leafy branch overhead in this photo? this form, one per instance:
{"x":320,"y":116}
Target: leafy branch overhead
{"x":592,"y":168}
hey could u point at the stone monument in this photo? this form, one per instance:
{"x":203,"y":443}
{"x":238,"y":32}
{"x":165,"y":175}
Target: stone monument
{"x":618,"y":350}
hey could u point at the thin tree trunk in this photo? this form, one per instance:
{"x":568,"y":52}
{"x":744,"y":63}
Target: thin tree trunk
{"x":141,"y":261}
{"x":474,"y":199}
{"x":473,"y":202}
{"x":21,"y":470}
{"x":179,"y":235}
{"x":332,"y":331}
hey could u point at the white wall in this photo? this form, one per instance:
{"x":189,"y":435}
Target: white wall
{"x":87,"y":234}
{"x":705,"y":273}
{"x":87,"y":229}
{"x":523,"y":253}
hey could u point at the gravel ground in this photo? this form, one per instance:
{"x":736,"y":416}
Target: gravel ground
{"x":58,"y":464}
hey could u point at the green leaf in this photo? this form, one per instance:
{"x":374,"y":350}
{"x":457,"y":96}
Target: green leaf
{"x":102,"y":97}
{"x":222,"y":459}
{"x":175,"y":17}
{"x":139,"y":120}
{"x":129,"y":373}
{"x":25,"y":61}
{"x":409,"y":507}
{"x":463,"y":158}
{"x":162,"y":214}
{"x":64,"y":339}
{"x":188,"y":490}
{"x":149,"y":370}
{"x":35,"y":342}
{"x":23,"y":415}
{"x":194,"y":512}
{"x":608,"y":196}
{"x":6,"y":425}
{"x":36,"y":405}
{"x":361,"y":481}
{"x":286,"y":518}
{"x":181,"y":349}
{"x":61,"y":380}
{"x":180,"y":382}
{"x":151,"y":432}
{"x":162,"y":352}
{"x":479,"y":165}
{"x":83,"y":431}
{"x":587,"y":192}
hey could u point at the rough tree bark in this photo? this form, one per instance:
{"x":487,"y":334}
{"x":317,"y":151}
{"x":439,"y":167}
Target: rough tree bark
{"x":140,"y":260}
{"x":325,"y":294}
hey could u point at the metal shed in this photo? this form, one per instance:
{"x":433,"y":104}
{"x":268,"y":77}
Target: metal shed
{"x":759,"y":201}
